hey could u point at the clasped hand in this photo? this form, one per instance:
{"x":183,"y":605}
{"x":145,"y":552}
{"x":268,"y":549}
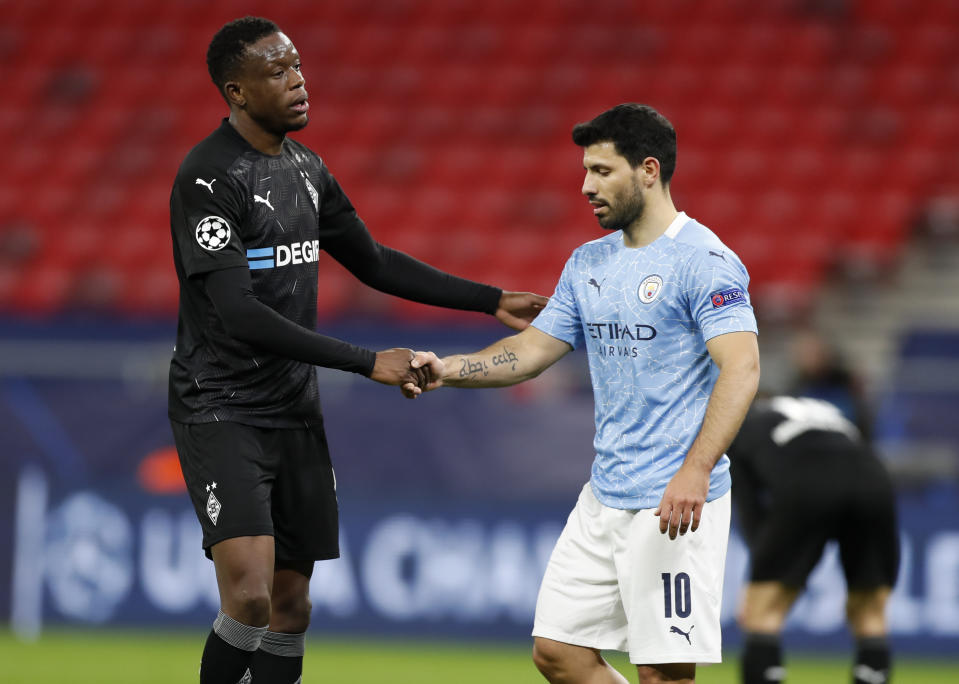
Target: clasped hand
{"x":414,"y":372}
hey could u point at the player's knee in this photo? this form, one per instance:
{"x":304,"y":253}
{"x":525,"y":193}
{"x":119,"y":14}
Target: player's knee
{"x":866,"y":612}
{"x":247,"y":600}
{"x":249,"y":607}
{"x":291,"y":613}
{"x":760,"y":619}
{"x":764,"y":607}
{"x":667,"y":673}
{"x":761,"y":622}
{"x":547,"y":656}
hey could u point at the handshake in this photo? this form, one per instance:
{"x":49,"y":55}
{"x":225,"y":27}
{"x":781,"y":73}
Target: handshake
{"x":414,"y":372}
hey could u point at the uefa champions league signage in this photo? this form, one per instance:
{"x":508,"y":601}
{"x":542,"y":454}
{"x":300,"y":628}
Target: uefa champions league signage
{"x":93,"y":556}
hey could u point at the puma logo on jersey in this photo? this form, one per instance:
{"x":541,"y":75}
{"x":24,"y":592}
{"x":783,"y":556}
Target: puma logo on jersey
{"x":598,"y":286}
{"x":207,"y":185}
{"x":257,"y":198}
{"x":677,"y":630}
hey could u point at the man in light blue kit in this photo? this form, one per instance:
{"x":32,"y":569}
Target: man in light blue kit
{"x":663,"y":309}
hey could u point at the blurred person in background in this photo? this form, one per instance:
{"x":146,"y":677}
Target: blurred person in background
{"x":803,"y":476}
{"x":822,"y":373}
{"x":250,"y":211}
{"x":661,"y":305}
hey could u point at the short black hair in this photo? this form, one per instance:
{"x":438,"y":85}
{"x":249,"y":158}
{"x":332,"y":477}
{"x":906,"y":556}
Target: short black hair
{"x":637,"y":131}
{"x":224,"y":57}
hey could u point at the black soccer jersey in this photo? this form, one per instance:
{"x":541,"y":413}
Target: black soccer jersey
{"x":801,"y":477}
{"x":797,"y":448}
{"x":235,"y":207}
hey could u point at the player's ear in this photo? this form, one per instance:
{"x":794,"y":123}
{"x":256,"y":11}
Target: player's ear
{"x":649,"y":170}
{"x":234,"y":93}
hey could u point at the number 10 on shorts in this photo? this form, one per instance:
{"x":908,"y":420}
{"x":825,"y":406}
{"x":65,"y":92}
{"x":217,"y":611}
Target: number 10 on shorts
{"x":677,"y":590}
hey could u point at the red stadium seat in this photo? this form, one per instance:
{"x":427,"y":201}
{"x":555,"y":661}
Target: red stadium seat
{"x":448,"y":124}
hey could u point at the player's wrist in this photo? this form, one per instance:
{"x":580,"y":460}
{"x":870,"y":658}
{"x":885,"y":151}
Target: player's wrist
{"x":446,"y":376}
{"x":461,"y":370}
{"x":366,"y":363}
{"x":699,"y":463}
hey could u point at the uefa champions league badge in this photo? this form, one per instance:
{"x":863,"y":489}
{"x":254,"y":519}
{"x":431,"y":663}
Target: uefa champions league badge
{"x":726,"y":297}
{"x":650,"y":288}
{"x":213,"y":233}
{"x":212,"y":503}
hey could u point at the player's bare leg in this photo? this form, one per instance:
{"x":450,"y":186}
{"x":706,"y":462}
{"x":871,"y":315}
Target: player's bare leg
{"x":244,"y":576}
{"x":764,"y":607}
{"x":762,"y":612}
{"x":291,"y":605}
{"x":866,"y":612}
{"x":667,"y":673}
{"x":280,"y":656}
{"x":564,"y":663}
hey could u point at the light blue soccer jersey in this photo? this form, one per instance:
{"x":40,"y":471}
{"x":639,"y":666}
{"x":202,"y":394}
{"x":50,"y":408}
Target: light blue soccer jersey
{"x":645,"y":315}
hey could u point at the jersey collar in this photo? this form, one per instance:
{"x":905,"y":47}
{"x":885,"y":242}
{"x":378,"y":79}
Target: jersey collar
{"x":673,"y":230}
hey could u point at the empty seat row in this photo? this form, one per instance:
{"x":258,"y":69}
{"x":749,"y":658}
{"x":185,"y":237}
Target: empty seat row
{"x":803,"y":135}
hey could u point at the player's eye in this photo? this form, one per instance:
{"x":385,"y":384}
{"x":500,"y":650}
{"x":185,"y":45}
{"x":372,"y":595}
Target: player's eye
{"x":297,"y":66}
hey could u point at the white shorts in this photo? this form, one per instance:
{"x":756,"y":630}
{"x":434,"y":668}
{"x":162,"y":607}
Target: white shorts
{"x":615,"y":582}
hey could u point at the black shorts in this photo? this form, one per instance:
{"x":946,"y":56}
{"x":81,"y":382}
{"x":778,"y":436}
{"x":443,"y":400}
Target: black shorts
{"x":858,"y":511}
{"x":249,"y":481}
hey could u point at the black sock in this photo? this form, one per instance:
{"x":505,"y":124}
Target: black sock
{"x":228,"y":651}
{"x":873,"y":661}
{"x":279,"y":660}
{"x":762,"y":659}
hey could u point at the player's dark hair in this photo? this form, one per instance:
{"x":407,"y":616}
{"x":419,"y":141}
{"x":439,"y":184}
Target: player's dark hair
{"x":224,"y":57}
{"x":637,"y":131}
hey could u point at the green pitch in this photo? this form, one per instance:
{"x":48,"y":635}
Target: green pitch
{"x":170,"y":658}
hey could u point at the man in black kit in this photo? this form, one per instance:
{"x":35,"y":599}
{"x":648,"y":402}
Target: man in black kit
{"x":250,"y":211}
{"x":802,"y":476}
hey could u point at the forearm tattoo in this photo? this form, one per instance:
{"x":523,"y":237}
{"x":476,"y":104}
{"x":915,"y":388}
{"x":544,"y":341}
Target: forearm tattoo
{"x":470,"y":368}
{"x":474,"y":367}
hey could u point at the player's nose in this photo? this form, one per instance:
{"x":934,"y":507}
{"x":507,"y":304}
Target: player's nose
{"x":589,"y":188}
{"x":298,"y":81}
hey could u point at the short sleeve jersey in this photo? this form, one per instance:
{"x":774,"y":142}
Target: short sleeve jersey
{"x":233,"y":206}
{"x":645,"y":315}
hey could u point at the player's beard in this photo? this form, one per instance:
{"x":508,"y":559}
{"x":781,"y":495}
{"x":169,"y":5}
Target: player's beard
{"x":625,"y":208}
